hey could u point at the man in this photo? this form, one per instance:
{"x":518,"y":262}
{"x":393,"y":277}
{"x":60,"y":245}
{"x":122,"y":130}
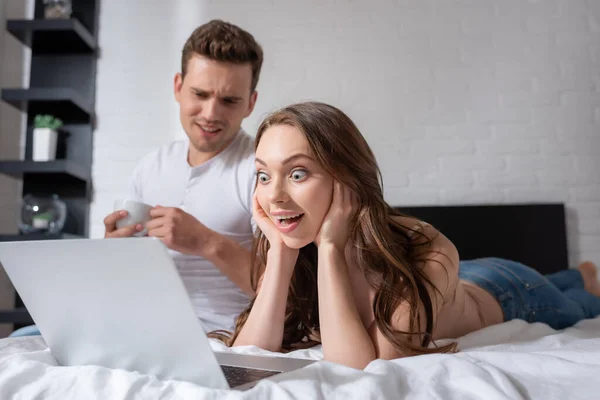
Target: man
{"x":202,"y":187}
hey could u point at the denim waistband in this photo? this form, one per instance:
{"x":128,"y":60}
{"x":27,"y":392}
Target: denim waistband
{"x":511,"y":283}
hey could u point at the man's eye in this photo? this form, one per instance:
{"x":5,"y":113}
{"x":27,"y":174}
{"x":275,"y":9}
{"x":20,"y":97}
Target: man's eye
{"x":262,"y":177}
{"x":299,"y":174}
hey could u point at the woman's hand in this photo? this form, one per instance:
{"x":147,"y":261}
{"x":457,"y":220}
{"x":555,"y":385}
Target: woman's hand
{"x":273,"y":235}
{"x":335,"y":229}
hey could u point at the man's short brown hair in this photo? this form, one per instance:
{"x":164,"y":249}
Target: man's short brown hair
{"x":221,"y":41}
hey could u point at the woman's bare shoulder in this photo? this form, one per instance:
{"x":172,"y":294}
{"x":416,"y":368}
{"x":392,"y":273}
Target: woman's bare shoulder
{"x":440,"y":257}
{"x":412,"y":225}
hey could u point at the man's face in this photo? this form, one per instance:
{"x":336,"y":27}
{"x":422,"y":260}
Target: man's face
{"x":214,"y":98}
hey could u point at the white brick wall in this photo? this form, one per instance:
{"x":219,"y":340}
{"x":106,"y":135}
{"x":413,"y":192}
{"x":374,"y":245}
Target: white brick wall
{"x":463,"y":101}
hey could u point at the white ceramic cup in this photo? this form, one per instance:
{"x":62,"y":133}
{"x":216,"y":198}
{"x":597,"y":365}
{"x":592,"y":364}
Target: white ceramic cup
{"x":137,"y":213}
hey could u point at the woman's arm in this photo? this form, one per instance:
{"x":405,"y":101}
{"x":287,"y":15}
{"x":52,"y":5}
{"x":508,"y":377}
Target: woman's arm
{"x":264,"y":327}
{"x":440,"y":264}
{"x":265,"y":323}
{"x":344,"y":337}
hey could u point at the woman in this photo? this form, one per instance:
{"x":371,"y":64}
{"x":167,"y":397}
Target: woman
{"x":338,"y":265}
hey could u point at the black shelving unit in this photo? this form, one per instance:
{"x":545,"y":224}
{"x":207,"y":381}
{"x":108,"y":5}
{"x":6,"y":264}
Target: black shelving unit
{"x":19,"y":168}
{"x":40,"y":236}
{"x":64,"y":103}
{"x":62,"y":83}
{"x":53,"y":36}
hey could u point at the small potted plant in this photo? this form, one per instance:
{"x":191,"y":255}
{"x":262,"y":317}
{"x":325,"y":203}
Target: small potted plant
{"x":45,"y":135}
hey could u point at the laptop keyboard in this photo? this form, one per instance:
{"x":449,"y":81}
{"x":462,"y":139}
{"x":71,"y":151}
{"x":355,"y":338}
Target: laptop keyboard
{"x":237,"y":376}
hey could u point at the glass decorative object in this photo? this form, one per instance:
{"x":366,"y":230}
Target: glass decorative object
{"x":57,"y":9}
{"x":42,"y":214}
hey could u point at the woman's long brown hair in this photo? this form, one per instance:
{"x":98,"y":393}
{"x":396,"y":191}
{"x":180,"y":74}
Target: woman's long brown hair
{"x":390,"y":255}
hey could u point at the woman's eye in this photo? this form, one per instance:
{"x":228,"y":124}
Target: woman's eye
{"x":299,"y":174}
{"x":262,"y":177}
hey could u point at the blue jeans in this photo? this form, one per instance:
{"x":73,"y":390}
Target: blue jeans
{"x":558,"y":299}
{"x":30,"y":330}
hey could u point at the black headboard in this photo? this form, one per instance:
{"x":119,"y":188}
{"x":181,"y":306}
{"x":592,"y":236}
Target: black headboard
{"x":533,"y":234}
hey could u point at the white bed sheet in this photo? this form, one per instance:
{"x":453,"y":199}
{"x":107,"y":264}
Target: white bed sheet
{"x":514,"y":360}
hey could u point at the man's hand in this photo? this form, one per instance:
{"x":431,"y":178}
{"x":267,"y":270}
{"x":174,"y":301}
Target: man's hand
{"x":110,"y":226}
{"x":179,"y":230}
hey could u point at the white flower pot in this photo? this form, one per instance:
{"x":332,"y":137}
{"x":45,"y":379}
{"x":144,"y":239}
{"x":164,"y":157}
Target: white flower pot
{"x":44,"y":144}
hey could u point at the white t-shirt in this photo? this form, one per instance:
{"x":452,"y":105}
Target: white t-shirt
{"x":219,"y":194}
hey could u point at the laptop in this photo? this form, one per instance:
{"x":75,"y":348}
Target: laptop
{"x":120,"y":303}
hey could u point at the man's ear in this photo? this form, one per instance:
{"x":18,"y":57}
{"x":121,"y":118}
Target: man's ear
{"x":252,"y":103}
{"x":177,"y":84}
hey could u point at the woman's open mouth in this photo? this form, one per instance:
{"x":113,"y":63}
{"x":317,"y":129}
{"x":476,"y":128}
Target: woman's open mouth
{"x":288,"y":223}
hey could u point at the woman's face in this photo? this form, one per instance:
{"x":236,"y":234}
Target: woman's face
{"x":293,"y":188}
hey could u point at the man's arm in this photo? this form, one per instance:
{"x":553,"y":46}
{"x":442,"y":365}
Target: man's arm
{"x":182,"y":232}
{"x":231,"y":258}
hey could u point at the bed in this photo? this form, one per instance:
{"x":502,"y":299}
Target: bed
{"x":513,"y":360}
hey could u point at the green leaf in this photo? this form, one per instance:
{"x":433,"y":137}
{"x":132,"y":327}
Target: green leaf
{"x":47,"y":121}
